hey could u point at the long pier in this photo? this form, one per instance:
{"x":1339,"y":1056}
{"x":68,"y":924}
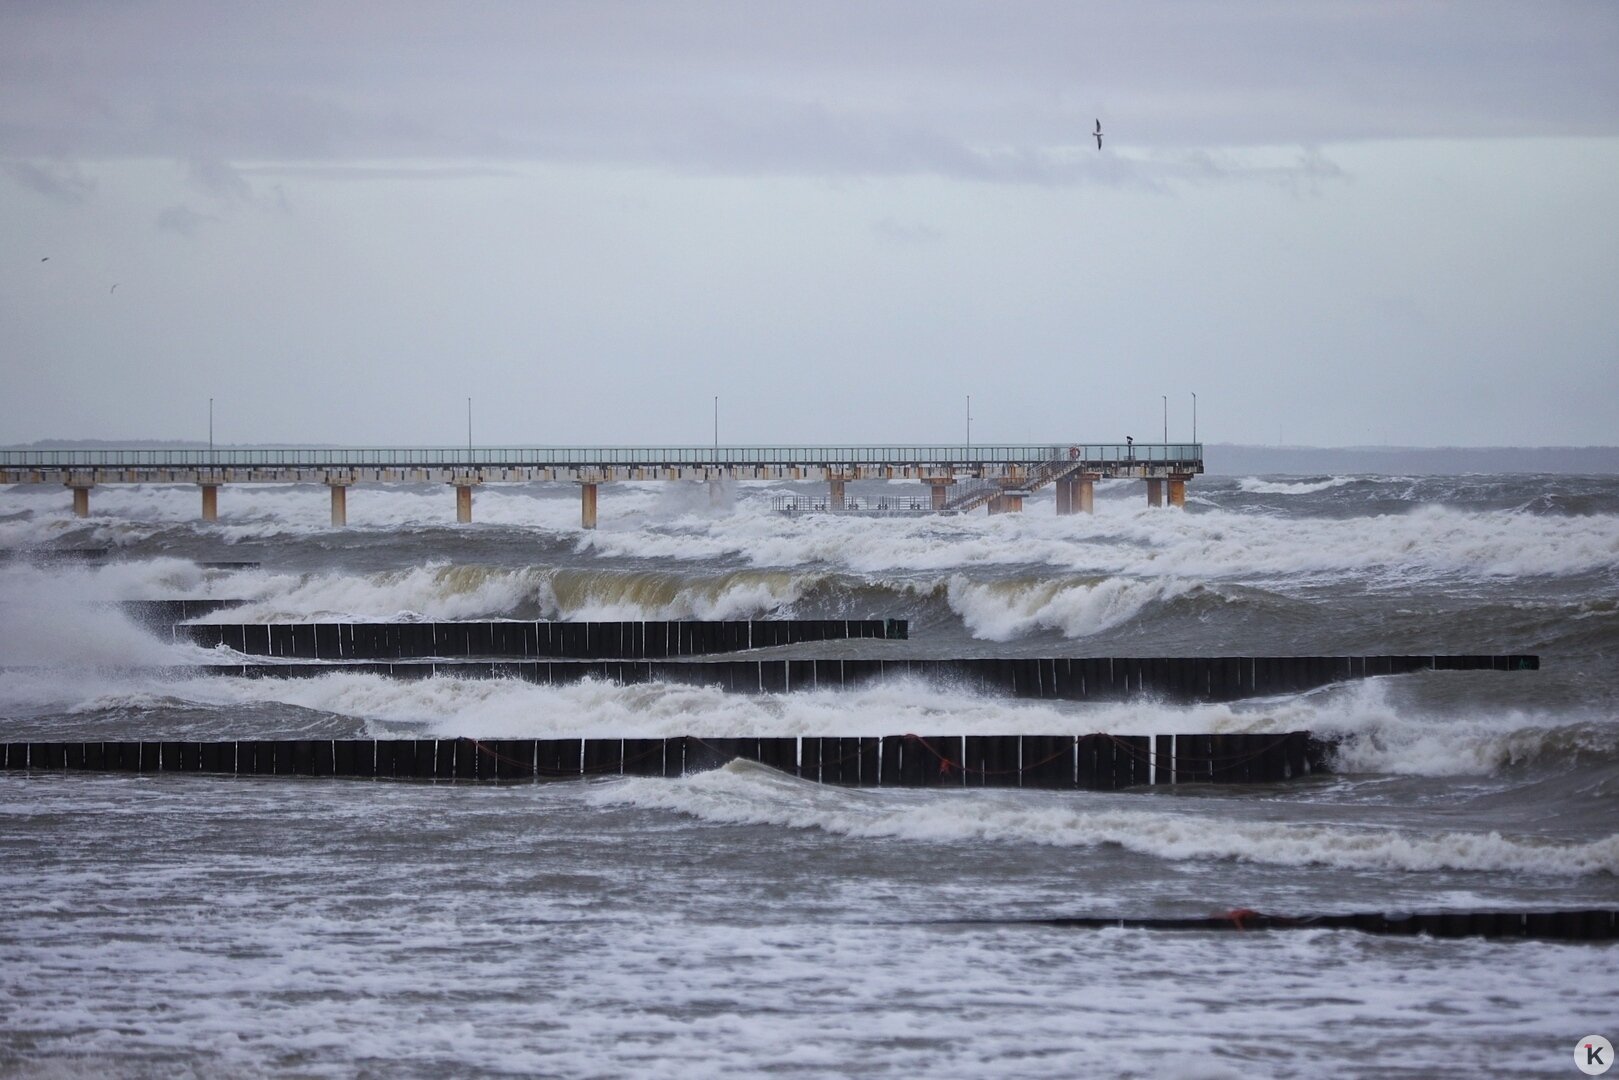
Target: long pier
{"x":959,"y":478}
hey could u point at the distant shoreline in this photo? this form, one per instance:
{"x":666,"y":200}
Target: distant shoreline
{"x":1222,"y":459}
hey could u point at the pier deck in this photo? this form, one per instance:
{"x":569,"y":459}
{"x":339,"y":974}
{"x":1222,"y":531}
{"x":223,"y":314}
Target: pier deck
{"x":996,"y":476}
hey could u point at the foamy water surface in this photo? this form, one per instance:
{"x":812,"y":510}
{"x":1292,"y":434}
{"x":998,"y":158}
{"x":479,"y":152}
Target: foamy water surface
{"x":741,"y":922}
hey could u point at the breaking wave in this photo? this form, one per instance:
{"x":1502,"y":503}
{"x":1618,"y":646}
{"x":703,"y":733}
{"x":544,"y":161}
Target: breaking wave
{"x":1376,"y":732}
{"x":743,"y":793}
{"x":1255,"y":486}
{"x":1001,"y":610}
{"x":646,"y":523}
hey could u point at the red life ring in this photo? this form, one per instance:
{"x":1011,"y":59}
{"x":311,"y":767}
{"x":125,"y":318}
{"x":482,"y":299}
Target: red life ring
{"x":1073,"y":453}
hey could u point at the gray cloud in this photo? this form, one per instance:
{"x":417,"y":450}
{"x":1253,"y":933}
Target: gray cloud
{"x":900,"y":198}
{"x":218,"y":179}
{"x":378,"y":172}
{"x":64,"y":183}
{"x":182,"y":220}
{"x":972,"y":90}
{"x":901,"y":232}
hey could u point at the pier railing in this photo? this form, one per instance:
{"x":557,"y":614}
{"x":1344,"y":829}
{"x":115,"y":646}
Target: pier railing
{"x":564,"y":456}
{"x":882,"y":506}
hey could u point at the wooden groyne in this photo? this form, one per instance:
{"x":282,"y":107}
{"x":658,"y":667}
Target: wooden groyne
{"x":671,"y":651}
{"x":1115,"y":678}
{"x":162,"y":614}
{"x":505,"y":639}
{"x":1574,"y":925}
{"x":99,"y":555}
{"x":1096,"y":762}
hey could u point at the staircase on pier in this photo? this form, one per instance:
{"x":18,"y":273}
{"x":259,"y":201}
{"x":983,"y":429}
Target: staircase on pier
{"x":973,"y":496}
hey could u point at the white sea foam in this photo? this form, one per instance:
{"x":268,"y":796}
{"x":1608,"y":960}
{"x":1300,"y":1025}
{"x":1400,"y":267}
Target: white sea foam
{"x":1255,"y":486}
{"x":127,"y":514}
{"x":1428,"y":542}
{"x":436,"y":590}
{"x":1378,"y":734}
{"x":1373,"y":733}
{"x":416,"y":931}
{"x":508,"y":708}
{"x":746,"y":793}
{"x":446,"y":591}
{"x":505,"y":708}
{"x":296,"y":923}
{"x":1002,"y":610}
{"x":1124,"y":538}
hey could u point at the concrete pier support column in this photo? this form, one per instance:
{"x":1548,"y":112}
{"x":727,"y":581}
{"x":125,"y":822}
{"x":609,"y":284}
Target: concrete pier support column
{"x":587,"y":506}
{"x":1155,"y":493}
{"x":939,"y":488}
{"x":81,"y":498}
{"x":463,"y":503}
{"x":340,"y":505}
{"x":1085,"y":493}
{"x":1065,"y":496}
{"x":1009,"y":502}
{"x":210,"y":502}
{"x":1177,"y":491}
{"x":836,"y":499}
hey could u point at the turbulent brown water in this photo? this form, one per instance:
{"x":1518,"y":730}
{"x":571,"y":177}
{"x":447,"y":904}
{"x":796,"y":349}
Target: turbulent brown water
{"x":742,"y":922}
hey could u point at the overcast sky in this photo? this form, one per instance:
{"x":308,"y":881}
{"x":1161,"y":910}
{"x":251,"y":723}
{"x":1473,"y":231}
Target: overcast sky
{"x":1336,"y":223}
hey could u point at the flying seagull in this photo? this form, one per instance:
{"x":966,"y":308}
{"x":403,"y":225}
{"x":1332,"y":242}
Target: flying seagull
{"x":113,"y":289}
{"x":46,"y":259}
{"x":1098,"y":134}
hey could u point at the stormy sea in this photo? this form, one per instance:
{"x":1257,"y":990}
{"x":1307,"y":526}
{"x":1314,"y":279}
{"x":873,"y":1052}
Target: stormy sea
{"x":740,"y":922}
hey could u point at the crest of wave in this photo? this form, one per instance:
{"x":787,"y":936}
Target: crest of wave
{"x":123,"y":514}
{"x":434,"y":591}
{"x":1379,"y":734}
{"x":634,"y":595}
{"x":1003,"y":610}
{"x":1127,"y":539}
{"x":445,"y":591}
{"x":746,"y":793}
{"x":1255,"y":486}
{"x":448,"y":707}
